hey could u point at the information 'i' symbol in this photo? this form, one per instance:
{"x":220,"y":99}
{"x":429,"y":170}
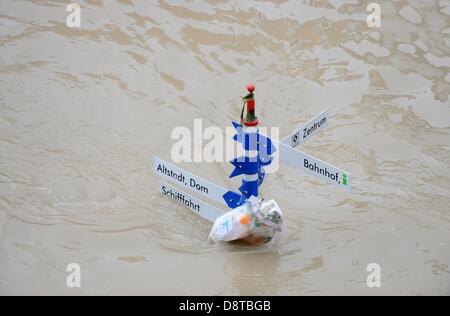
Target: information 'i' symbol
{"x":344,"y":179}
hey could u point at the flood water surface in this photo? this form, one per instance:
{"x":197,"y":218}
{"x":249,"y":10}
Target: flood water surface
{"x":84,"y":110}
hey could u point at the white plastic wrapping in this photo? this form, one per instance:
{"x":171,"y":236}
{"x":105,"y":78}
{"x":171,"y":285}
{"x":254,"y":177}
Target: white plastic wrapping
{"x":256,"y":222}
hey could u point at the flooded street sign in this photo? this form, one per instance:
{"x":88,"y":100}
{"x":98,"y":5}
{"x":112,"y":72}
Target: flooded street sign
{"x":314,"y":166}
{"x":188,"y":180}
{"x":199,"y":207}
{"x":308,"y":129}
{"x":91,"y":91}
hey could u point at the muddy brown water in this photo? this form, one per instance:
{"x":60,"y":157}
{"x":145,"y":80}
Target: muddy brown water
{"x":83,"y":111}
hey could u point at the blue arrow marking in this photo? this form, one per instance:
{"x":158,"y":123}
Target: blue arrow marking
{"x":233,"y":199}
{"x":249,"y":188}
{"x":244,"y":165}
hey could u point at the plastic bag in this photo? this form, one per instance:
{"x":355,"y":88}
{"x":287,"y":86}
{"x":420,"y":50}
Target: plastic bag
{"x":256,"y":222}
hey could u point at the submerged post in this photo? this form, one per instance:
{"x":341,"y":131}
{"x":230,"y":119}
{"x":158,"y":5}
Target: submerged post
{"x":250,"y":147}
{"x":257,"y":150}
{"x":252,"y":219}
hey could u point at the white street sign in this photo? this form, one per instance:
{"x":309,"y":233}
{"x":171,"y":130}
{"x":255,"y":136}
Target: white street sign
{"x":314,"y":166}
{"x":188,"y":180}
{"x":199,"y":207}
{"x":308,"y":129}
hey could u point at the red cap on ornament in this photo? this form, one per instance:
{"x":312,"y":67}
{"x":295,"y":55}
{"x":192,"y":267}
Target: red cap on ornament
{"x":250,"y":119}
